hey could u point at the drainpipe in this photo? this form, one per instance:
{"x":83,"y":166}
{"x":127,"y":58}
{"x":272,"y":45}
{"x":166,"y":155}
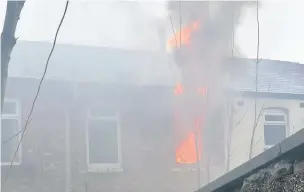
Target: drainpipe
{"x":198,"y":160}
{"x":68,"y":138}
{"x":67,"y":152}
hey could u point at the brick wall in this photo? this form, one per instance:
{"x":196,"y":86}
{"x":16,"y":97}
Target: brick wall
{"x":148,"y":158}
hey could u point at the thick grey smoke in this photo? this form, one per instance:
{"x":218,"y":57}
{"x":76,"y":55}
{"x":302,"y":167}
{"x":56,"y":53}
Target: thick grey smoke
{"x":211,"y":44}
{"x":204,"y":62}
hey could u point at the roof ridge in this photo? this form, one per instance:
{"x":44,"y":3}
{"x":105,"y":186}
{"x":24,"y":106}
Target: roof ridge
{"x":88,"y":46}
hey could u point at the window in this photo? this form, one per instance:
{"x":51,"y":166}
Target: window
{"x":274,"y":128}
{"x":10,"y":126}
{"x":103,"y":141}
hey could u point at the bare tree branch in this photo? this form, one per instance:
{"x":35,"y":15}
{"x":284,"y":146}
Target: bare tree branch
{"x":232,"y":154}
{"x":257,"y":143}
{"x":86,"y":186}
{"x":8,"y":40}
{"x":254,"y":129}
{"x":230,"y":129}
{"x":241,"y":119}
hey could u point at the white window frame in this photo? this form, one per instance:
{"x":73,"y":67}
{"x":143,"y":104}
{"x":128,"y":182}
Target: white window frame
{"x":17,"y":117}
{"x":285,"y":123}
{"x":104,"y":167}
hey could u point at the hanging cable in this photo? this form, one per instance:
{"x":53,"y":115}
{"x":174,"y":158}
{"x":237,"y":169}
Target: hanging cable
{"x":256,"y":117}
{"x":173,"y":29}
{"x":171,"y":22}
{"x":36,"y":96}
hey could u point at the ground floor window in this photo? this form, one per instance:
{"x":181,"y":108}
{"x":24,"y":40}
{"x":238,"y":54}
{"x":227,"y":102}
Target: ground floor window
{"x":275,"y":128}
{"x":103,"y":140}
{"x":10,"y":127}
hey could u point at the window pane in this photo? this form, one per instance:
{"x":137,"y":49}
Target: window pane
{"x":274,"y":118}
{"x":102,"y":112}
{"x":9,"y":127}
{"x":9,"y":108}
{"x":274,"y":134}
{"x":103,"y":141}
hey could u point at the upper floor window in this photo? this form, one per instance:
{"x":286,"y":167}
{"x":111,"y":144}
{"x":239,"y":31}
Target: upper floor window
{"x":10,"y":137}
{"x":275,"y":128}
{"x":103,"y":140}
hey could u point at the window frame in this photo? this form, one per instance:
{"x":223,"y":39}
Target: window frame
{"x":17,"y":117}
{"x":285,"y":123}
{"x":104,"y":167}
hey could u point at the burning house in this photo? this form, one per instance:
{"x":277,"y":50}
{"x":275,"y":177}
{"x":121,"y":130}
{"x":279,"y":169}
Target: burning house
{"x":112,"y":120}
{"x":112,"y":129}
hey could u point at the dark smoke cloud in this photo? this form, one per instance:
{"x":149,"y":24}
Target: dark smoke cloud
{"x":204,"y":61}
{"x":211,"y":44}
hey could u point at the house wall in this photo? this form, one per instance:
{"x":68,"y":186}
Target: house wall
{"x":148,"y":151}
{"x":42,"y":147}
{"x":148,"y":159}
{"x":242,"y":133}
{"x":147,"y":143}
{"x":42,"y":152}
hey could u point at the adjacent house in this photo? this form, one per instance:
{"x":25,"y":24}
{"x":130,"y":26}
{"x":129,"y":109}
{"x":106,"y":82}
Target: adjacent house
{"x":103,"y":120}
{"x":279,"y":107}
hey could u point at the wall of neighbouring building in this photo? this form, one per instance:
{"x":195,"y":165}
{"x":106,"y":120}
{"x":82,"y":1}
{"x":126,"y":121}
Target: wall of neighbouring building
{"x":281,"y":168}
{"x":241,"y":134}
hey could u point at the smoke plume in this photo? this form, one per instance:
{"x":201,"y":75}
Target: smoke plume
{"x":211,"y":43}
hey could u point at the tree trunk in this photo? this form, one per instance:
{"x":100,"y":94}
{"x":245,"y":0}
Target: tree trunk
{"x":8,"y":39}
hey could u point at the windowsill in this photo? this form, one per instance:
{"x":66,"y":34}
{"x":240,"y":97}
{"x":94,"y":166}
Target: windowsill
{"x":9,"y":163}
{"x":268,"y":147}
{"x":104,"y":169}
{"x":186,"y":168}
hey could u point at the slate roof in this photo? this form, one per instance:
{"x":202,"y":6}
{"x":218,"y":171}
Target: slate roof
{"x":273,"y":76}
{"x":109,"y":65}
{"x":90,"y":64}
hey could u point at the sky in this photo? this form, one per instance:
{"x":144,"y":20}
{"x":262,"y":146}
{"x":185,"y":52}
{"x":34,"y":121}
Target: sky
{"x":100,"y":23}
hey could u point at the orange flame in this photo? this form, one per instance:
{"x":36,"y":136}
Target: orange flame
{"x":183,"y":36}
{"x":190,"y":150}
{"x":202,"y":91}
{"x":179,"y":89}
